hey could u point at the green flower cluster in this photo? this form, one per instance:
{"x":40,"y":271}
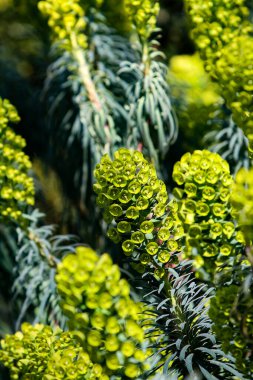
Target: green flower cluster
{"x":39,"y":353}
{"x":212,"y":237}
{"x":135,"y":203}
{"x":232,"y":314}
{"x":216,"y":24}
{"x":235,"y":72}
{"x":142,"y":15}
{"x":101,"y":313}
{"x":66,"y":18}
{"x":16,"y":188}
{"x":223,"y":34}
{"x":242,"y":201}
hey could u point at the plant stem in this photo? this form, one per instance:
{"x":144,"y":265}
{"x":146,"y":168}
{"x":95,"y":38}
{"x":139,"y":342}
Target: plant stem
{"x":84,"y":73}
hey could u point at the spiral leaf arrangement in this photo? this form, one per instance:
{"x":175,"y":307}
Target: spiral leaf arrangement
{"x":85,"y":73}
{"x":101,"y":313}
{"x":227,"y":139}
{"x":184,"y":329}
{"x":135,"y":204}
{"x":110,"y":86}
{"x":151,"y":123}
{"x":38,"y":352}
{"x":225,"y":43}
{"x":212,"y":237}
{"x":16,"y":187}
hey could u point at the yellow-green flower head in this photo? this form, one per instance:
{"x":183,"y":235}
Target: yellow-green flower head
{"x":224,"y":36}
{"x":142,"y":15}
{"x":16,"y":187}
{"x":235,"y":72}
{"x":38,"y":352}
{"x":215,"y":24}
{"x":66,"y":18}
{"x":232,"y":314}
{"x":137,"y":210}
{"x":100,"y":311}
{"x":204,"y":207}
{"x":242,"y":201}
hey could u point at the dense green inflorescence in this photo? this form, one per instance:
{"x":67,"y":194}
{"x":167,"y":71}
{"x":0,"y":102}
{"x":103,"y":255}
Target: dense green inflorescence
{"x":242,"y":201}
{"x":212,"y":236}
{"x":136,"y":208}
{"x":16,"y":187}
{"x":101,"y":313}
{"x":216,"y":24}
{"x":224,"y":36}
{"x":232,"y":313}
{"x":234,"y":70}
{"x":66,"y":18}
{"x":39,"y":353}
{"x":142,"y":15}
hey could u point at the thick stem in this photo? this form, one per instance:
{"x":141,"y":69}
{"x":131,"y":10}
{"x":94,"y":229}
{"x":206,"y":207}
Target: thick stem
{"x":84,"y":73}
{"x":145,"y":58}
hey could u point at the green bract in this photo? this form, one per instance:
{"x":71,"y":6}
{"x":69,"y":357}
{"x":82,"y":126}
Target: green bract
{"x":16,"y":187}
{"x":210,"y":229}
{"x":39,"y":353}
{"x":142,"y":219}
{"x":101,"y":313}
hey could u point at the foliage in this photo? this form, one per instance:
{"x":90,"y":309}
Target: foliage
{"x":227,"y":139}
{"x":39,"y":251}
{"x":92,"y":126}
{"x":152,"y":123}
{"x":183,"y":329}
{"x":110,"y":87}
